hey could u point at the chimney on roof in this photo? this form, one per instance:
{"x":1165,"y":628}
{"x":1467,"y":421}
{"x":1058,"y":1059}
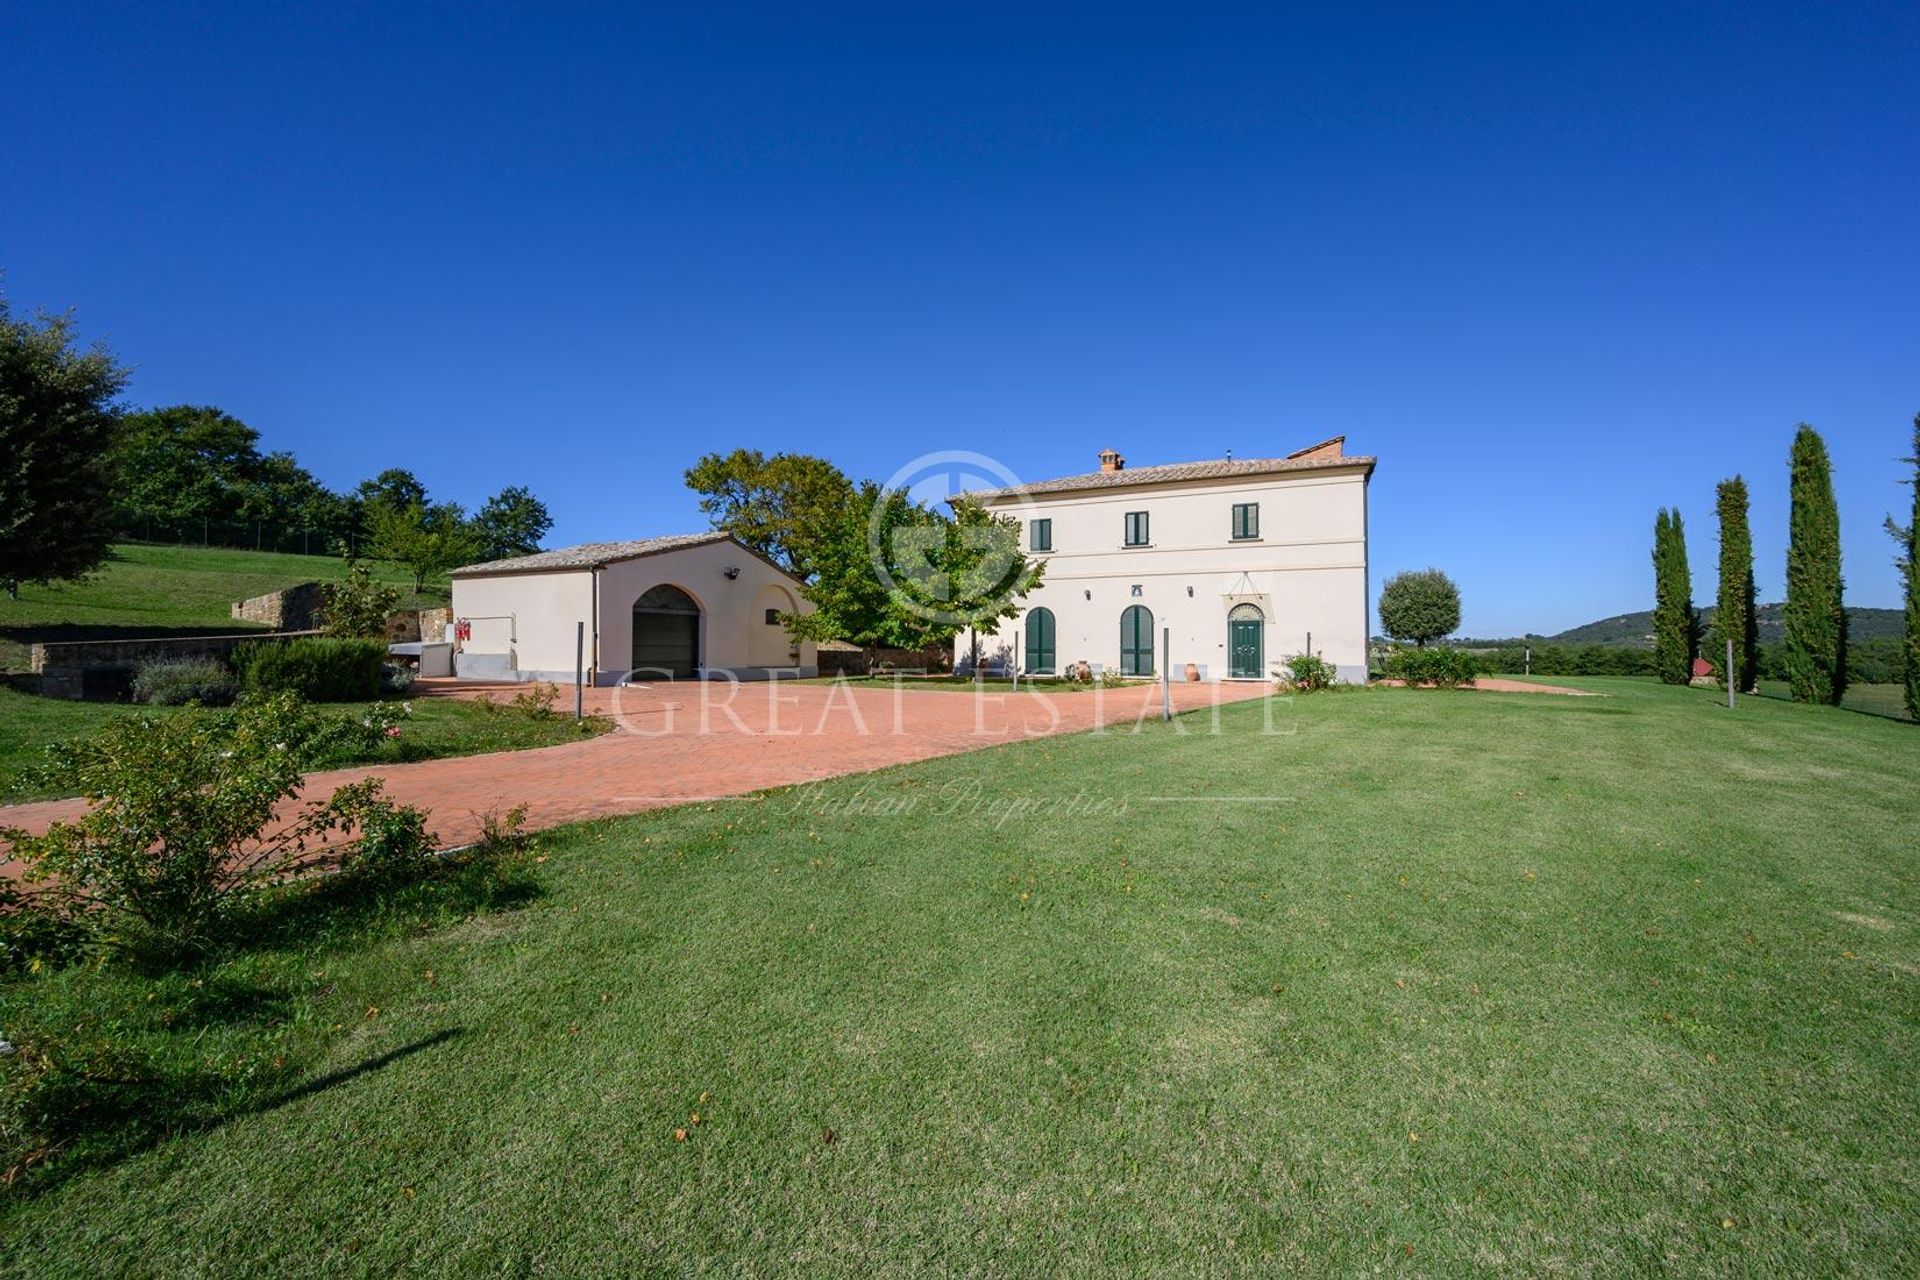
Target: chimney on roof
{"x":1325,"y":449}
{"x":1110,"y":460}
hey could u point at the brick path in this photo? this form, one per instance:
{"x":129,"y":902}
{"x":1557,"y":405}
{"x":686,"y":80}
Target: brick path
{"x":679,"y":743}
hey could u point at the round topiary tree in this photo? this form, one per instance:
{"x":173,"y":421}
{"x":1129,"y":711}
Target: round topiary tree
{"x":1419,"y":605}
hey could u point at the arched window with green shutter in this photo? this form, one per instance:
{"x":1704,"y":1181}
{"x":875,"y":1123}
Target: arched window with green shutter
{"x":1136,"y":641}
{"x":1040,"y":641}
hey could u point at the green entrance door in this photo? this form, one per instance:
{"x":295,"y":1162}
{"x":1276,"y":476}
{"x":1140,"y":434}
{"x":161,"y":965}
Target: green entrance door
{"x":1040,"y":641}
{"x":1136,"y":641}
{"x":1246,"y":644}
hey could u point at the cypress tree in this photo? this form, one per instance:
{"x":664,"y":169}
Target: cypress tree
{"x":1735,"y":616}
{"x":1674,"y":634}
{"x":1816,"y":618}
{"x":1908,"y":536}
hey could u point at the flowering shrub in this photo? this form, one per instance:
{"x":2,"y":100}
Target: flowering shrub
{"x":1307,"y":673}
{"x":184,"y":819}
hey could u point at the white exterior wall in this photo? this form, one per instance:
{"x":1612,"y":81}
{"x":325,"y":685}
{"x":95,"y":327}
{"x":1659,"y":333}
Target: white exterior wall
{"x":1307,"y":571}
{"x":523,"y":623}
{"x":538,"y":643}
{"x":734,"y":634}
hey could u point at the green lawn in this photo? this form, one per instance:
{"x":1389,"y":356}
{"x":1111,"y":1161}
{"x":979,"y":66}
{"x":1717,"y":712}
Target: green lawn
{"x":144,"y":590}
{"x":1424,"y":983}
{"x":437,"y":727}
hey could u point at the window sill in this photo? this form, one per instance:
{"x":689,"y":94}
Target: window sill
{"x":1136,"y":546}
{"x":1255,"y":538}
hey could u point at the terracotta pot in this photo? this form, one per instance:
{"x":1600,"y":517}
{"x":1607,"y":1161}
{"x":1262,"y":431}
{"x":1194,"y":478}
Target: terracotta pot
{"x":1193,"y":671}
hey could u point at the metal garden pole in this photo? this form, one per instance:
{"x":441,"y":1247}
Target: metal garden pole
{"x":579,"y":669}
{"x":1166,"y":673}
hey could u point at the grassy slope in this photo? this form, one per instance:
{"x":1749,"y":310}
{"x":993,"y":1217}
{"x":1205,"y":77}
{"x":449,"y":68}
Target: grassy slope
{"x":437,"y":727}
{"x":147,"y":589}
{"x":1432,"y":981}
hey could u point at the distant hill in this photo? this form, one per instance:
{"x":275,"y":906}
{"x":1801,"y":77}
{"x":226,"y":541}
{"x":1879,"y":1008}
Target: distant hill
{"x":1635,"y":630}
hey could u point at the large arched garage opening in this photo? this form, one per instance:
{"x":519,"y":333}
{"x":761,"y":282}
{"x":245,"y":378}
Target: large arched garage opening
{"x":666,"y":634}
{"x":1136,"y":641}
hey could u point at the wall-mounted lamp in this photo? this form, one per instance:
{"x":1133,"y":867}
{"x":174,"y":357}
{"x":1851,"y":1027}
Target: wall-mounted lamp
{"x":732,"y":573}
{"x":1089,"y":594}
{"x":1189,"y":593}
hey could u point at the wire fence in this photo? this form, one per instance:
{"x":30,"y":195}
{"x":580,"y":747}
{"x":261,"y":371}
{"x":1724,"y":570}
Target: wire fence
{"x":1886,"y":700}
{"x":244,"y":535}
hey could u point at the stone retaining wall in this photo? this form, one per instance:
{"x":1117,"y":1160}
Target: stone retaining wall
{"x":297,"y":608}
{"x":96,"y":668}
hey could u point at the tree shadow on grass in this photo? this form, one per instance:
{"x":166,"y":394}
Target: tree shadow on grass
{"x":341,"y":909}
{"x":110,"y":1110}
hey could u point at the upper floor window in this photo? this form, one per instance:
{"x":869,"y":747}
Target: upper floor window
{"x":1039,"y":535}
{"x":1246,"y":520}
{"x":1137,"y":528}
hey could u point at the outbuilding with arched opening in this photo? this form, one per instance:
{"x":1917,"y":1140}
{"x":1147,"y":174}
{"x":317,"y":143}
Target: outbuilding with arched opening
{"x":674,"y":608}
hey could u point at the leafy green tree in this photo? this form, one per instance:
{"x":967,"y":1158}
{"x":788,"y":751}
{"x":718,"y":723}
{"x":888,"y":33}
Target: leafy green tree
{"x":1675,"y":625}
{"x":425,"y":541}
{"x":1421,"y":605}
{"x":395,"y":488}
{"x":188,"y":463}
{"x":1908,"y":562}
{"x":358,"y":604}
{"x":1736,"y":615}
{"x":511,"y":523}
{"x":58,"y":428}
{"x":1816,"y":619}
{"x":785,"y":506}
{"x":287,"y":495}
{"x":890,"y":572}
{"x":187,"y":467}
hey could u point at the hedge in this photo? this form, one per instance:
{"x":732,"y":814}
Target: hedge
{"x":316,"y":668}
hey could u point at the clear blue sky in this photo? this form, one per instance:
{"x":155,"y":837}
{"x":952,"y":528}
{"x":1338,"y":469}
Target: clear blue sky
{"x":1555,"y":269}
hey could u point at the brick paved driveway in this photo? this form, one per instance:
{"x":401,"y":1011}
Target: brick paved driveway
{"x":683,"y":742}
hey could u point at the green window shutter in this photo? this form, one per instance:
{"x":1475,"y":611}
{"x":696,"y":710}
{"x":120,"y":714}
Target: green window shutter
{"x":1137,"y":529}
{"x":1246,"y":520}
{"x":1040,"y":535}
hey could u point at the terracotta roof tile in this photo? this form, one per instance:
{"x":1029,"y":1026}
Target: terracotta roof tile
{"x":1210,"y":469}
{"x":589,"y":554}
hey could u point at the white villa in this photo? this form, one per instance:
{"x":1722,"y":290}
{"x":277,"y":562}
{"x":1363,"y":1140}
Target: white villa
{"x":1245,"y":561}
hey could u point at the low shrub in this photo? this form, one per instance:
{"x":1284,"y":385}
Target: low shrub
{"x":181,"y":826}
{"x":314,"y":668}
{"x":1566,"y":660}
{"x":174,"y":682}
{"x":1307,"y":673}
{"x":535,"y":702}
{"x":1432,"y":665}
{"x":396,"y":679}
